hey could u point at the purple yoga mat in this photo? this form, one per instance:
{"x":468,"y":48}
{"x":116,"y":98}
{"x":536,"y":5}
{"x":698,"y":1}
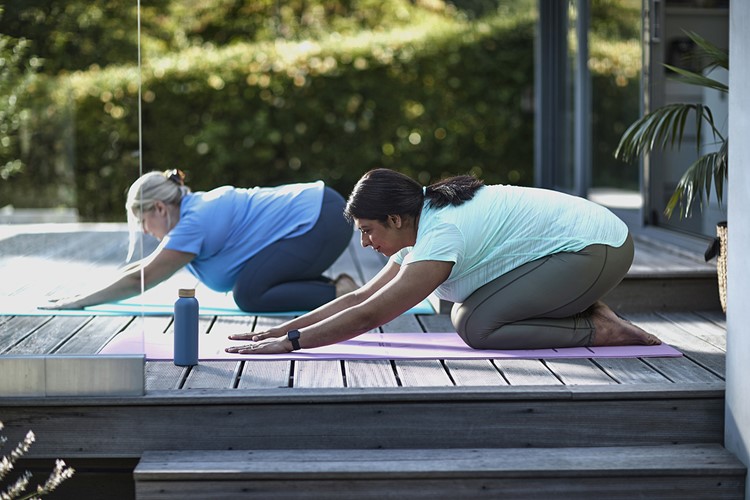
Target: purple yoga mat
{"x":159,"y":346}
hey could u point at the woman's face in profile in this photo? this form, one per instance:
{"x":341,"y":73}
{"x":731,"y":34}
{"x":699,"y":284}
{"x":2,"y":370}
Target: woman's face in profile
{"x":386,"y":238}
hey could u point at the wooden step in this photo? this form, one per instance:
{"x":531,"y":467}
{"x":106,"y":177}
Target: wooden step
{"x":389,"y":418}
{"x":670,"y":471}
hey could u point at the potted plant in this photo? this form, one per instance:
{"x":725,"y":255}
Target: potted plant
{"x":663,"y":128}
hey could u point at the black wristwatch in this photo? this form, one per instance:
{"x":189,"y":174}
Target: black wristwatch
{"x":293,"y":336}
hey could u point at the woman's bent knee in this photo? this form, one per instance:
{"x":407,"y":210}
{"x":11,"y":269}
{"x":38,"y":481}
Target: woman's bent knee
{"x":460,"y":316}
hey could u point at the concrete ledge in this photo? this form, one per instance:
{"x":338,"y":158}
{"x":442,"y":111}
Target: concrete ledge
{"x":41,"y":376}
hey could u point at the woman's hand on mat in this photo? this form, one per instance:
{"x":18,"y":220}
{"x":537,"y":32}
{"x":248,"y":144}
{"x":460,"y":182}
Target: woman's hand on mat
{"x":62,"y":303}
{"x":258,"y":336}
{"x":268,"y":346}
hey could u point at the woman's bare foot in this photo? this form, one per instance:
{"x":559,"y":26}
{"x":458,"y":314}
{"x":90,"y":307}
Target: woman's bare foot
{"x":344,"y":284}
{"x":611,"y":330}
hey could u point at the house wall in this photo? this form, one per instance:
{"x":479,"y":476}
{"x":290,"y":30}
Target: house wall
{"x":737,"y":429}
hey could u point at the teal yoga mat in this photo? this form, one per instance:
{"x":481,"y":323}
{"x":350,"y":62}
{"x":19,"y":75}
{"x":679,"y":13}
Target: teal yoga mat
{"x":157,"y":301}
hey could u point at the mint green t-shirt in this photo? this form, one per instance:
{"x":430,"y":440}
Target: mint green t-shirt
{"x":504,"y":227}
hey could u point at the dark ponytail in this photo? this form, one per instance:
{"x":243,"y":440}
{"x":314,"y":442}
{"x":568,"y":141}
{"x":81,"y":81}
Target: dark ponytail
{"x":452,"y":191}
{"x":383,"y":192}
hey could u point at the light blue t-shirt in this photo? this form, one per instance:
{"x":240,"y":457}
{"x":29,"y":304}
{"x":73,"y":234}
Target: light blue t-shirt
{"x":504,"y":227}
{"x":226,"y":226}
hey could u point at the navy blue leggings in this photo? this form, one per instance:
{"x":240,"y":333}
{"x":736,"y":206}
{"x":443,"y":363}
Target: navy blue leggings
{"x":288,"y":275}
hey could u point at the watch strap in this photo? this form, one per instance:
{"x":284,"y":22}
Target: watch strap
{"x":293,"y":336}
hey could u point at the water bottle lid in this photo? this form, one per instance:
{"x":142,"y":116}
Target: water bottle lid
{"x":187,"y":292}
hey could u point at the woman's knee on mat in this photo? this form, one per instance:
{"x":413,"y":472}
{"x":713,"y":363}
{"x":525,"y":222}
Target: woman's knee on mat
{"x":474,"y":333}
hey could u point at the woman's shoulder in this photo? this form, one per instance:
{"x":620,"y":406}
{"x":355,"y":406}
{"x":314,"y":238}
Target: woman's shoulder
{"x":201,"y":201}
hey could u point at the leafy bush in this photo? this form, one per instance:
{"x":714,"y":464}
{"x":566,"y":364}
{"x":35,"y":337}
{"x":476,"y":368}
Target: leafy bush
{"x":437,"y":98}
{"x":262,"y":92}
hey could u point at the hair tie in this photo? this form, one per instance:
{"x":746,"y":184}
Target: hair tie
{"x":175,"y":175}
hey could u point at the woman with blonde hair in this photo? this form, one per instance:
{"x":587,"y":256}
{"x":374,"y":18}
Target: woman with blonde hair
{"x":268,"y":245}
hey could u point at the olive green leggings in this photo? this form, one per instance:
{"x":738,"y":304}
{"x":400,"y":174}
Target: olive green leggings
{"x":542,"y":304}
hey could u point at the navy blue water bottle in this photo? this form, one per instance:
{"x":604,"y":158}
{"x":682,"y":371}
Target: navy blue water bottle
{"x":186,"y":328}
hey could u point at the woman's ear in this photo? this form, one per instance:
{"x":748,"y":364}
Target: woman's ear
{"x":160,"y":207}
{"x":395,"y":220}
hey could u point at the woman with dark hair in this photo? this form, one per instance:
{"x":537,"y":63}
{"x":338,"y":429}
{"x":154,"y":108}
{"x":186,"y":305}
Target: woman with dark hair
{"x":525,"y":267}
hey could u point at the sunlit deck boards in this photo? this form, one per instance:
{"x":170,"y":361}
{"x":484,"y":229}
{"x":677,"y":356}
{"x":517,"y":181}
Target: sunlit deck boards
{"x":699,"y":334}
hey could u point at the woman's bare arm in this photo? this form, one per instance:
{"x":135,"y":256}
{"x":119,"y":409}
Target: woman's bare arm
{"x":412,"y":284}
{"x":159,"y":266}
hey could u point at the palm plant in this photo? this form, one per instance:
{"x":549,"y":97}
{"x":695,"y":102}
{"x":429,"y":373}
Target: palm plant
{"x":664,"y":127}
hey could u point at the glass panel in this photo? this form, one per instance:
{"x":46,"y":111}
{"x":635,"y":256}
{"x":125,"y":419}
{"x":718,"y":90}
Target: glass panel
{"x":615,"y":65}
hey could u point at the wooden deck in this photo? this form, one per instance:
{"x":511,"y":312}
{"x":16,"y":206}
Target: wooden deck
{"x":369,"y":404}
{"x":699,"y":333}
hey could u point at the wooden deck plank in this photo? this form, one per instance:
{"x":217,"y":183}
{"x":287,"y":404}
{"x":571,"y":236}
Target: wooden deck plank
{"x":304,"y":373}
{"x":259,"y":374}
{"x":265,"y":374}
{"x":3,"y":320}
{"x":212,"y":375}
{"x":465,"y":372}
{"x":699,"y":327}
{"x":416,"y":373}
{"x":327,"y":373}
{"x":370,"y":373}
{"x":153,"y":324}
{"x":474,"y":372}
{"x":95,"y":334}
{"x":164,"y":375}
{"x":579,"y":372}
{"x":654,"y":257}
{"x":49,"y":336}
{"x":18,"y":328}
{"x":683,"y":370}
{"x":701,"y":352}
{"x":159,"y":375}
{"x":717,"y":317}
{"x":422,"y":373}
{"x":520,"y":372}
{"x":631,"y":371}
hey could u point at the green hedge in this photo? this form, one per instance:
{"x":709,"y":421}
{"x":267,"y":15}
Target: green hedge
{"x":428,"y":93}
{"x":439,"y":98}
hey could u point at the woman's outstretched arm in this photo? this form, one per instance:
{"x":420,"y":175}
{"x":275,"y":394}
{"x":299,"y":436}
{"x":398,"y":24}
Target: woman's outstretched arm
{"x":386,"y":274}
{"x":411,"y":284}
{"x":158,"y":267}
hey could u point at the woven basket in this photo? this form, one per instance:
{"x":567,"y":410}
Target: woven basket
{"x":721,"y":263}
